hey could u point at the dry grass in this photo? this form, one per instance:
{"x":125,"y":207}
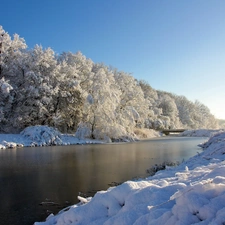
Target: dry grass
{"x":146,"y":133}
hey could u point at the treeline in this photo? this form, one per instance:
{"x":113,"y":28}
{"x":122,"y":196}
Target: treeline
{"x":221,"y":123}
{"x":72,"y":93}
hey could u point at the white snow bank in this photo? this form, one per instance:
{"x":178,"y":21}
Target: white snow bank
{"x":217,"y":138}
{"x":40,"y":136}
{"x":11,"y":141}
{"x":47,"y":136}
{"x":2,"y":146}
{"x":192,"y":193}
{"x":199,"y":133}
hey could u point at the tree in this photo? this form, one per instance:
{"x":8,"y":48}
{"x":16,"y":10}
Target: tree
{"x":70,"y":91}
{"x":100,"y":105}
{"x":151,"y":96}
{"x":68,"y":103}
{"x":133,"y":108}
{"x":169,"y":111}
{"x":186,"y":110}
{"x":6,"y":99}
{"x":10,"y":53}
{"x":204,"y":117}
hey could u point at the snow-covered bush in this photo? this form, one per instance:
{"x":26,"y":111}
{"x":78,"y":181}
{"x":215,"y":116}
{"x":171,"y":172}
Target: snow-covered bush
{"x":83,"y":131}
{"x":42,"y":135}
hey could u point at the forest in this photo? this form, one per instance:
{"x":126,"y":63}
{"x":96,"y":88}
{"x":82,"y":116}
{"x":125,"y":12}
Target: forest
{"x":70,"y":92}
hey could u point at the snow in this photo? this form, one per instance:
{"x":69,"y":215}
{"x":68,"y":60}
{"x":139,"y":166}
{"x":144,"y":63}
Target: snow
{"x":40,"y":136}
{"x":5,"y":88}
{"x":46,"y":136}
{"x":199,"y":133}
{"x":191,"y":193}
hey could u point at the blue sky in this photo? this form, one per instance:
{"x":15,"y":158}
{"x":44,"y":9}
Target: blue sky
{"x":175,"y":45}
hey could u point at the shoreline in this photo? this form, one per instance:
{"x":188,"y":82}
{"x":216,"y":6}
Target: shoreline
{"x":191,"y":193}
{"x":38,"y":136}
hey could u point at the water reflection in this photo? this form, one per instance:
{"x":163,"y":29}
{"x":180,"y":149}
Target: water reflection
{"x":28,"y":176}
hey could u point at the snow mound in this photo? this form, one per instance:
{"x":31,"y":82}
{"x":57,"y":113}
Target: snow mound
{"x":217,"y":138}
{"x":2,"y":146}
{"x":42,"y":135}
{"x":192,"y":193}
{"x":10,"y":144}
{"x":199,"y":133}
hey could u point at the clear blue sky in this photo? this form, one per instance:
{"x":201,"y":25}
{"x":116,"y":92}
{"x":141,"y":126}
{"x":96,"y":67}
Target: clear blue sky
{"x":175,"y":45}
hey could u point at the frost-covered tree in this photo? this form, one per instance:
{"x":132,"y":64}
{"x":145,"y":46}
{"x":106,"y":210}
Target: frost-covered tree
{"x":68,"y":103}
{"x":132,"y":110}
{"x":149,"y":93}
{"x":169,"y":111}
{"x":11,"y":51}
{"x":35,"y":92}
{"x":186,"y":110}
{"x":100,"y":104}
{"x":221,"y":123}
{"x":70,"y":91}
{"x":151,"y":97}
{"x":6,"y":99}
{"x":203,"y":116}
{"x":79,"y":68}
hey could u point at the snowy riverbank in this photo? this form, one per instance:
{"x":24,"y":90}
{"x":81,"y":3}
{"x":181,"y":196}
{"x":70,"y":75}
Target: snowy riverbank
{"x":41,"y":136}
{"x":199,"y":133}
{"x":47,"y":136}
{"x":192,"y":193}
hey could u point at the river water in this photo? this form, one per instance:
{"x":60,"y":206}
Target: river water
{"x":31,"y":177}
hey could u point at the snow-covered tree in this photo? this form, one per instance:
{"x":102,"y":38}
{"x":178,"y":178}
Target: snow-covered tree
{"x":169,"y":111}
{"x":101,"y":102}
{"x":11,"y":51}
{"x":70,"y":91}
{"x":68,"y":103}
{"x":36,"y":90}
{"x":186,"y":110}
{"x":151,"y":97}
{"x":132,"y":110}
{"x":78,"y":68}
{"x":6,"y":99}
{"x":204,"y":117}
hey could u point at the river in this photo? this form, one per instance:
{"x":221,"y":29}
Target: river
{"x":31,"y":177}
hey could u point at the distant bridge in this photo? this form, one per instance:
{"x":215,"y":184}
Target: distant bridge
{"x":168,"y":131}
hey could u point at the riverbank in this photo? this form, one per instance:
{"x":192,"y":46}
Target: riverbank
{"x":48,"y":136}
{"x":41,"y":136}
{"x":192,"y":193}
